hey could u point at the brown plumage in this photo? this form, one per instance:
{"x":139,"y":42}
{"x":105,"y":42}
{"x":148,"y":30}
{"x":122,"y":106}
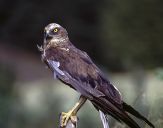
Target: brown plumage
{"x":75,"y":68}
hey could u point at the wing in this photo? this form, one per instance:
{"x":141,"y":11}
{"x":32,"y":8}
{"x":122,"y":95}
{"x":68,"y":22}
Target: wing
{"x":68,"y":79}
{"x":81,"y":73}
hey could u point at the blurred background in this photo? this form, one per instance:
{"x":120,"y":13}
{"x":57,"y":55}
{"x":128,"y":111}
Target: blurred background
{"x":124,"y":38}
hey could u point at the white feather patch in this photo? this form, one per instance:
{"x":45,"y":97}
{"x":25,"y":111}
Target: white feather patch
{"x":55,"y":65}
{"x":104,"y":119}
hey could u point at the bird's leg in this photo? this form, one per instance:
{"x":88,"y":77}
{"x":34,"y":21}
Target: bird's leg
{"x":72,"y":113}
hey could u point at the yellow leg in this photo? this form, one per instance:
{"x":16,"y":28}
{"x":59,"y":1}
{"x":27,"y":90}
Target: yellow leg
{"x":72,"y":113}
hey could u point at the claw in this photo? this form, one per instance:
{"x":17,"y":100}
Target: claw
{"x":71,"y":115}
{"x":65,"y":117}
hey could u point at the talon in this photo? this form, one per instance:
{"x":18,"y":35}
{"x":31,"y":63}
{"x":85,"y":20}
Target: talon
{"x":71,"y":115}
{"x":66,"y":117}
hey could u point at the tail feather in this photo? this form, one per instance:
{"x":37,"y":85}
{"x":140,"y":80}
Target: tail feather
{"x":115,"y":111}
{"x":135,"y":113}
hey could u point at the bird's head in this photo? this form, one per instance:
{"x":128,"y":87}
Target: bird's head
{"x":54,"y":35}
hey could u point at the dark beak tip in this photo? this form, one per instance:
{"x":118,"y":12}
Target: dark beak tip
{"x":45,"y":34}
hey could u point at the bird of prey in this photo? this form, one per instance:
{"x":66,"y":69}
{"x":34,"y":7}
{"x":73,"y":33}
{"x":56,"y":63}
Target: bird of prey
{"x":75,"y":68}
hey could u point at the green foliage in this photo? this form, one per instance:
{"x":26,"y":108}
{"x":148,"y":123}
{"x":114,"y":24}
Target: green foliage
{"x":6,"y":95}
{"x":159,"y":73}
{"x":132,"y":32}
{"x":156,"y":114}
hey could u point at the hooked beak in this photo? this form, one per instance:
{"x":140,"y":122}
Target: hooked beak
{"x":46,"y":36}
{"x":46,"y":40}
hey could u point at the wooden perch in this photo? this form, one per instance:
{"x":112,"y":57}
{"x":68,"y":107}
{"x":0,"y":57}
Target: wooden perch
{"x":70,"y":124}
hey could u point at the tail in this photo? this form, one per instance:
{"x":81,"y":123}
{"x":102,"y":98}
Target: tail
{"x":114,"y":110}
{"x":104,"y":119}
{"x":135,"y":113}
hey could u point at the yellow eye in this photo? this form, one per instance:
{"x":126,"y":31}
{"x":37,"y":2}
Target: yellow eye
{"x":55,"y":30}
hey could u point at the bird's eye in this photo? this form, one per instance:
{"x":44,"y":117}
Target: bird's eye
{"x":55,"y":30}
